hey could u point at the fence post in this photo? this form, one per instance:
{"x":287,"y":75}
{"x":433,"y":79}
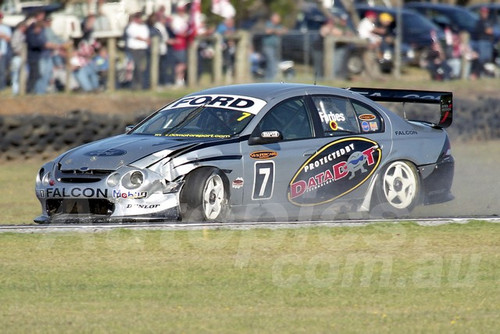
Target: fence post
{"x":328,"y":57}
{"x":464,"y":64}
{"x":22,"y":71}
{"x":218,"y":59}
{"x":371,"y":67}
{"x":154,"y":59}
{"x":307,"y":51}
{"x":397,"y":43}
{"x":241,"y":61}
{"x":192,"y":65}
{"x":112,"y":64}
{"x":69,"y":70}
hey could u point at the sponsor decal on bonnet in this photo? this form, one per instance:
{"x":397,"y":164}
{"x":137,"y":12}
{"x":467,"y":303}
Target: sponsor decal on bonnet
{"x":112,"y":152}
{"x":335,"y":170}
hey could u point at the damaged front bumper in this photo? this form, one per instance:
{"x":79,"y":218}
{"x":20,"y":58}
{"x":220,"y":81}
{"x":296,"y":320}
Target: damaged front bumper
{"x":114,"y":197}
{"x":71,"y":210}
{"x":172,"y":214}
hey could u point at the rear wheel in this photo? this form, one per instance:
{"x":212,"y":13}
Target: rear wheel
{"x":398,"y":191}
{"x":204,"y":196}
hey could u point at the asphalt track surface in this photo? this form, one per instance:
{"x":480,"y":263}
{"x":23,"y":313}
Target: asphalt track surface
{"x":176,"y":226}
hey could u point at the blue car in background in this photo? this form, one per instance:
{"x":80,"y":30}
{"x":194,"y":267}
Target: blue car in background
{"x":460,"y":18}
{"x":494,"y":11}
{"x":299,"y":43}
{"x":456,"y":17}
{"x":494,"y":16}
{"x":416,"y":37}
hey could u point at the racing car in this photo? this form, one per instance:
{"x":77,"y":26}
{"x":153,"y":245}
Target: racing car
{"x":243,"y":151}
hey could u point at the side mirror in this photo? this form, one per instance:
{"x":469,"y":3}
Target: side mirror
{"x":128,"y":128}
{"x":266,"y":137}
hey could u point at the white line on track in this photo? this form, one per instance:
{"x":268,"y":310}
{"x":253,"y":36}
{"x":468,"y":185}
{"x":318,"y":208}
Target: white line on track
{"x":176,"y":226}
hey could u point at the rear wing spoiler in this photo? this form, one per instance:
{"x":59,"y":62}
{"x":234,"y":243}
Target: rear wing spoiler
{"x":444,"y":99}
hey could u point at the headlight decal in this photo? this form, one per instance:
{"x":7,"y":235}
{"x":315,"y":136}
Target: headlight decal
{"x":47,"y":179}
{"x":113,"y":180}
{"x":133,"y":179}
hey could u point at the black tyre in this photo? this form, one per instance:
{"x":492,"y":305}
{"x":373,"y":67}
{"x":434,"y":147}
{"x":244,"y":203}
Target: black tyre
{"x":204,"y":196}
{"x":398,"y":190}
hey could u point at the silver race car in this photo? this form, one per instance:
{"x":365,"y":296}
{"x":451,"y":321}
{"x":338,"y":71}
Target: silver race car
{"x":258,"y":150}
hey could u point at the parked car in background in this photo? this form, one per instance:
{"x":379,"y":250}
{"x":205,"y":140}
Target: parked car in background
{"x":458,"y":18}
{"x":113,"y":15}
{"x":455,"y":17}
{"x":299,"y":43}
{"x":494,"y":16}
{"x":494,"y":11}
{"x":416,"y":38}
{"x":65,"y":24}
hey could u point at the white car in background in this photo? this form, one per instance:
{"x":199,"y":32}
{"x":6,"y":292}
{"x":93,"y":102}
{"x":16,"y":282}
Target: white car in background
{"x":65,"y":24}
{"x":113,"y":15}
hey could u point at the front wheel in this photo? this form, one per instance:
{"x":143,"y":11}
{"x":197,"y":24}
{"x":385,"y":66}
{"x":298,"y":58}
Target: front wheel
{"x":204,"y":196}
{"x":398,"y":190}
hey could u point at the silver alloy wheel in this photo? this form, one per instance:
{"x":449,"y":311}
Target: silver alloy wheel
{"x":400,"y":185}
{"x":213,"y":197}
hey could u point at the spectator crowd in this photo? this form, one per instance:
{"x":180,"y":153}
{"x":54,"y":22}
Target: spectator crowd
{"x":47,"y":56}
{"x":453,"y":57}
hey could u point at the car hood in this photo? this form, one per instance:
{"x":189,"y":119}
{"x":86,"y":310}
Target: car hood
{"x":112,"y":153}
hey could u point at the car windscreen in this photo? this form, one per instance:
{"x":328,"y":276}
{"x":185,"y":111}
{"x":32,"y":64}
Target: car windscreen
{"x":195,"y":122}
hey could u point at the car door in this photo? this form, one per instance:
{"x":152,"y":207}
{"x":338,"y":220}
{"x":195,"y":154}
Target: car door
{"x":269,"y":166}
{"x":330,"y":147}
{"x":347,"y":153}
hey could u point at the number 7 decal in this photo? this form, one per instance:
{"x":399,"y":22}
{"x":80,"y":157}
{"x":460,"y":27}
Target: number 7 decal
{"x":263,"y":180}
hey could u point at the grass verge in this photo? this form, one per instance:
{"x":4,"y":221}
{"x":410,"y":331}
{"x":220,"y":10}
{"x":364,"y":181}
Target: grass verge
{"x":380,"y":278}
{"x":18,"y":204}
